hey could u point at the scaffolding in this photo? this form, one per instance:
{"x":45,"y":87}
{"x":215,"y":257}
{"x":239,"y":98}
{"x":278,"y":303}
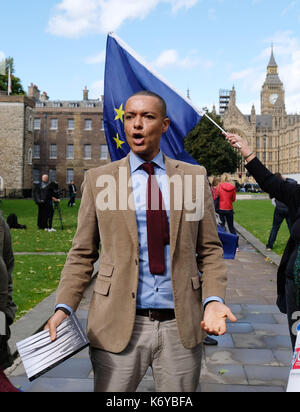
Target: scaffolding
{"x":224,"y":97}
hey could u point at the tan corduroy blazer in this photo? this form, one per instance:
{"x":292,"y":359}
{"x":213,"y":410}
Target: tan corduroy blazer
{"x":194,"y":247}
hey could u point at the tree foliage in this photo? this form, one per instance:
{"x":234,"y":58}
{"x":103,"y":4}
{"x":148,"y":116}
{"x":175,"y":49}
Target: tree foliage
{"x":207,"y":145}
{"x":16,"y":85}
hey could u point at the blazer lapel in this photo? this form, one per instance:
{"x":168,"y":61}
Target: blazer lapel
{"x":122,"y":178}
{"x":176,"y":207}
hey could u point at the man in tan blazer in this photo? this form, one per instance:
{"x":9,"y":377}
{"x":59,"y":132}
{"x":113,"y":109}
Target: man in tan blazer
{"x":138,"y":318}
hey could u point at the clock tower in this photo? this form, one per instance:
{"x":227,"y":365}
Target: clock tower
{"x":272,"y":94}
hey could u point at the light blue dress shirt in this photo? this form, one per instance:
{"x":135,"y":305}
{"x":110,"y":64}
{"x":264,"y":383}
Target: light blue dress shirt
{"x":154,"y":291}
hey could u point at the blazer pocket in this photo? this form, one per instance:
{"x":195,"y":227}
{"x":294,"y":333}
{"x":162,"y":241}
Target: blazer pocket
{"x":196,"y":283}
{"x":102,"y":287}
{"x":106,"y":269}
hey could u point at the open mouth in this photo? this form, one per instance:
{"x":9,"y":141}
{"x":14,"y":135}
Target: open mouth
{"x":138,"y":139}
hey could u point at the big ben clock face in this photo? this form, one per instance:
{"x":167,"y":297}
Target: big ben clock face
{"x":273,"y":98}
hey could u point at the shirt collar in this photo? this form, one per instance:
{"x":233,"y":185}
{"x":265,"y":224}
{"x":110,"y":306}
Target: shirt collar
{"x":136,"y":162}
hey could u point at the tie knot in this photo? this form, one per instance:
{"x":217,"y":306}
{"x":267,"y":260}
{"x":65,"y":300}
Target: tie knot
{"x":148,"y":167}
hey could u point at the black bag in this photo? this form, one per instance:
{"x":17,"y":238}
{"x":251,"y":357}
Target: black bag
{"x":12,"y":222}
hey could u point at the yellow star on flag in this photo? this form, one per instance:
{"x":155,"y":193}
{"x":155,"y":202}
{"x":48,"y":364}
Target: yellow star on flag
{"x":118,"y":141}
{"x":120,"y":113}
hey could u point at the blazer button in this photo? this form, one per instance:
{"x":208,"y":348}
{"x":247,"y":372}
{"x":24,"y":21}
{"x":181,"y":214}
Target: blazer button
{"x":133,"y":295}
{"x":136,"y":262}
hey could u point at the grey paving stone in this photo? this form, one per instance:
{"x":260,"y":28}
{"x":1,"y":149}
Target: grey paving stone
{"x":239,"y":388}
{"x":278,"y":342}
{"x":240,"y":357}
{"x":271,"y":329}
{"x":239,"y":327}
{"x":224,"y":341}
{"x":256,"y":318}
{"x":280,"y":318}
{"x":55,"y":385}
{"x":284,"y":357}
{"x":272,"y":375}
{"x":247,"y":341}
{"x":223,"y":374}
{"x":261,"y":309}
{"x":71,"y":368}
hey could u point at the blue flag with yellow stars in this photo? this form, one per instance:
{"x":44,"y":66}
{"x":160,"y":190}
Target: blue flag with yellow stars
{"x":125,"y":75}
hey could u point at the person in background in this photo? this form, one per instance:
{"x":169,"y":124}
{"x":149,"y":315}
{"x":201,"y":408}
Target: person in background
{"x":214,"y":184}
{"x":288,"y":275}
{"x":7,"y":306}
{"x":227,"y":195}
{"x":281,"y":212}
{"x":72,"y":194}
{"x":40,"y":196}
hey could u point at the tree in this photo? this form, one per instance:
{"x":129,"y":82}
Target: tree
{"x":16,"y":85}
{"x":207,"y":145}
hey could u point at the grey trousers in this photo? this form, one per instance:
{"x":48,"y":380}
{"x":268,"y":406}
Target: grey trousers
{"x":155,"y":344}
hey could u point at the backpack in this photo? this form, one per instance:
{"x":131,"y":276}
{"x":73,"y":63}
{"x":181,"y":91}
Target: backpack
{"x":12,"y":222}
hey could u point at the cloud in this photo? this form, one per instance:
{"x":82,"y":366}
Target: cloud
{"x":75,"y":18}
{"x":171,"y":58}
{"x":99,"y":58}
{"x":97,"y":89}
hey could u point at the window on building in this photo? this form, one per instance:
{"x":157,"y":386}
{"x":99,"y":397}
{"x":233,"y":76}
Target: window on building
{"x":70,"y":151}
{"x":52,"y":175}
{"x":102,"y":124}
{"x":36,"y":151}
{"x":30,"y":156}
{"x":1,"y":183}
{"x":53,"y":151}
{"x":37,"y":124}
{"x":30,"y":124}
{"x":87,"y":151}
{"x":70,"y":175}
{"x":103,"y":152}
{"x":257,"y":143}
{"x":71,"y":124}
{"x":53,"y":124}
{"x":36,"y":175}
{"x":56,"y":104}
{"x":88,"y":124}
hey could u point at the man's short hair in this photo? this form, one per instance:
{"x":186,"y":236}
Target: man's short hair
{"x":157,"y":96}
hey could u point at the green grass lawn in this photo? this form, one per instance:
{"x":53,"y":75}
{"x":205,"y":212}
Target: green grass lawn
{"x":36,"y":276}
{"x":35,"y":240}
{"x":256,"y":216}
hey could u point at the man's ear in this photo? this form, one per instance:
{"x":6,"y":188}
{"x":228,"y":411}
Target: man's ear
{"x":166,"y":124}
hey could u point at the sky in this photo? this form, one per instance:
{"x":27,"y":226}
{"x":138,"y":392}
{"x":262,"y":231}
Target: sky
{"x":200,"y":45}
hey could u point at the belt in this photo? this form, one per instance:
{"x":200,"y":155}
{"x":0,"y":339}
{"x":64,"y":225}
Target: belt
{"x":161,"y":315}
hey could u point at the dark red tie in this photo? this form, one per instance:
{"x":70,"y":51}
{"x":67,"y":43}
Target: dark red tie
{"x":158,"y":234}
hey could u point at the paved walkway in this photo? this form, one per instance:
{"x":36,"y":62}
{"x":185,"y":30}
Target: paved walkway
{"x":254,"y":356}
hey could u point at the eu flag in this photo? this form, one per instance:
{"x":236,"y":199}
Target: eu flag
{"x":126,"y":74}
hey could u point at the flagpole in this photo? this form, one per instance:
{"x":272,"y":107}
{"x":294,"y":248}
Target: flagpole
{"x":237,"y":145}
{"x":9,"y":82}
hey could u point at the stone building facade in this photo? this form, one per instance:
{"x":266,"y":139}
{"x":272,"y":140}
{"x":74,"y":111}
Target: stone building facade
{"x":16,"y":144}
{"x":274,"y":135}
{"x":68,"y":138}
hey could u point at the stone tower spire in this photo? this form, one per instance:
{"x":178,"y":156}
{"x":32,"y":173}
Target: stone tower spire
{"x":272,"y":93}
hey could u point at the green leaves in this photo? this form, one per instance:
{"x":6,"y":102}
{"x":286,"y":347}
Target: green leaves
{"x":206,"y":144}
